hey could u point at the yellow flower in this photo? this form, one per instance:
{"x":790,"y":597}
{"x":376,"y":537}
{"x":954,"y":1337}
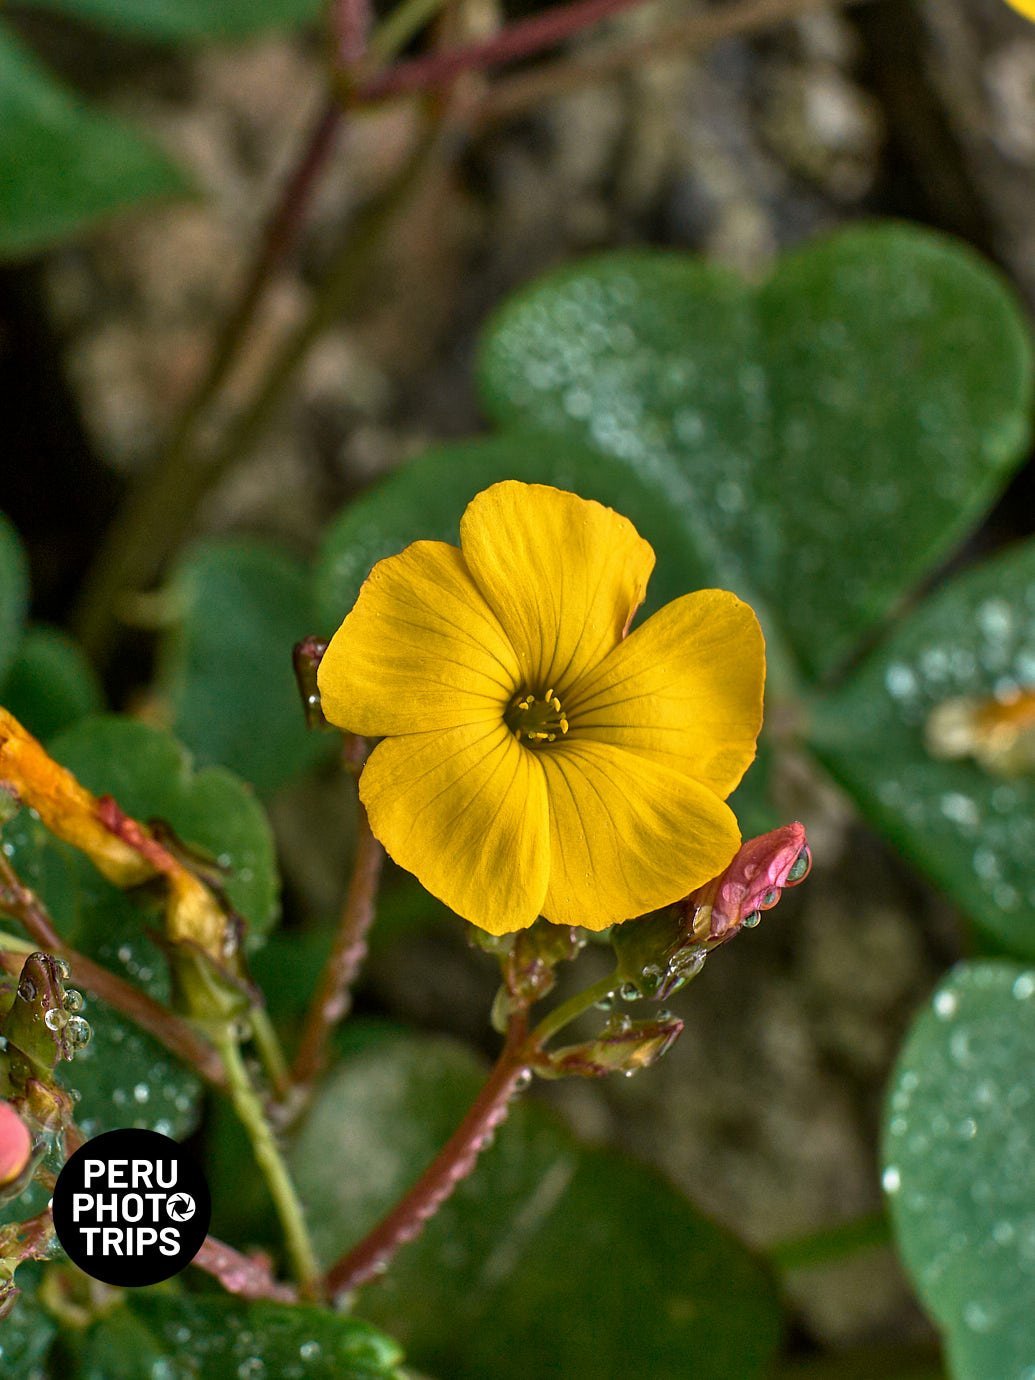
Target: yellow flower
{"x":536,"y":760}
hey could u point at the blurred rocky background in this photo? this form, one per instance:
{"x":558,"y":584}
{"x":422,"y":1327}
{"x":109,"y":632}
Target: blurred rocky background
{"x":767,"y":1110}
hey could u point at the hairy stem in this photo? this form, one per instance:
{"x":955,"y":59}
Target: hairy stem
{"x":178,"y":1037}
{"x":333,"y":994}
{"x":246,"y":1276}
{"x":449,"y":1168}
{"x":248,"y":1106}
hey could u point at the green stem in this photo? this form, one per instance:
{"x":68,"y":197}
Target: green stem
{"x":10,"y":943}
{"x":831,"y":1243}
{"x":267,"y":1044}
{"x":569,"y":1010}
{"x":249,"y":1108}
{"x":397,"y":28}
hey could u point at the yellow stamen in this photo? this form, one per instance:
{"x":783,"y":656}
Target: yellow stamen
{"x":537,"y":719}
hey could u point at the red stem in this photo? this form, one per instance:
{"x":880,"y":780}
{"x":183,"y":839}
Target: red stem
{"x":333,"y":995}
{"x":519,"y":40}
{"x":23,"y":905}
{"x":350,"y":27}
{"x":350,"y":24}
{"x":450,"y":1167}
{"x":245,"y":1276}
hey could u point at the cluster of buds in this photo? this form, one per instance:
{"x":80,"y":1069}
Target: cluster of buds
{"x":40,"y":1026}
{"x":660,"y":953}
{"x":528,"y":964}
{"x":202,"y":933}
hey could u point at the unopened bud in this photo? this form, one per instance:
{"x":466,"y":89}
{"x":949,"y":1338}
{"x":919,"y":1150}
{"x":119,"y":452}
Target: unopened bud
{"x":753,"y":882}
{"x":624,"y":1046}
{"x":307,"y":656}
{"x":15,"y":1145}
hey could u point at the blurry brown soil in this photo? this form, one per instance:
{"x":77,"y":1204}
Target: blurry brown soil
{"x":767,"y":1111}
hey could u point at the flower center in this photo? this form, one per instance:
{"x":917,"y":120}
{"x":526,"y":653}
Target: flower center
{"x":536,"y":718}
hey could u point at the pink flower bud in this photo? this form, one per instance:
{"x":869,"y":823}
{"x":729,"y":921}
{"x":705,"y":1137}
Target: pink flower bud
{"x":15,"y":1144}
{"x":753,"y":882}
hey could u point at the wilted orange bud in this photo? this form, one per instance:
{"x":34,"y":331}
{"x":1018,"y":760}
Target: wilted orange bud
{"x":192,"y":912}
{"x":119,"y":847}
{"x":753,"y":882}
{"x":15,"y":1144}
{"x":65,"y":807}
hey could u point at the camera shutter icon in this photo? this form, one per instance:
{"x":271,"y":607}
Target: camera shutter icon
{"x":181,"y":1207}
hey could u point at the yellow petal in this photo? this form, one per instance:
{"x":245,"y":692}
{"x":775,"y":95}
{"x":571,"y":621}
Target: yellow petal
{"x":465,"y":811}
{"x":420,"y":650}
{"x":564,"y":576}
{"x":627,"y":834}
{"x":685,"y":690}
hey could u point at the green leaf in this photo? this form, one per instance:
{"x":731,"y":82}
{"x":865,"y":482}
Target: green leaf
{"x":226,"y":666}
{"x":51,"y":684}
{"x":426,"y":498}
{"x":972,"y":831}
{"x":186,"y":20}
{"x":550,"y":1259}
{"x":125,"y":1078}
{"x":63,"y":165}
{"x":14,"y":588}
{"x":212,"y":1338}
{"x":829,"y":436}
{"x":959,"y":1156}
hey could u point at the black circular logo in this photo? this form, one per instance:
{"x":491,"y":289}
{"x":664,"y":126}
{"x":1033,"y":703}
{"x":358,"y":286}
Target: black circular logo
{"x":131,"y":1208}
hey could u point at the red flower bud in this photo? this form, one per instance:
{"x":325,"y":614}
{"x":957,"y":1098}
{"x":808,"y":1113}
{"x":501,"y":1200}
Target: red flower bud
{"x":15,"y":1144}
{"x":753,"y":882}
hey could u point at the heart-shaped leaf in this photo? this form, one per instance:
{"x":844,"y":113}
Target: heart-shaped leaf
{"x":14,"y":593}
{"x":970,"y":828}
{"x":213,"y":1338}
{"x":550,"y":1259}
{"x":63,"y":165}
{"x":186,"y":20}
{"x":226,"y":664}
{"x":829,"y":436}
{"x":51,"y":684}
{"x":426,"y":498}
{"x":959,"y":1156}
